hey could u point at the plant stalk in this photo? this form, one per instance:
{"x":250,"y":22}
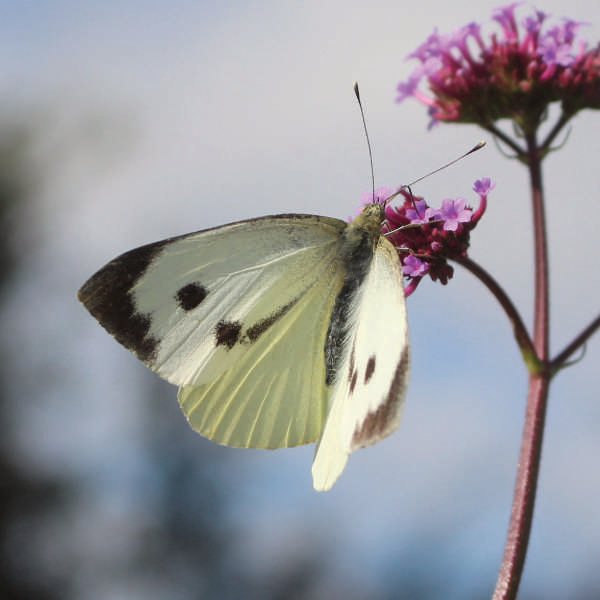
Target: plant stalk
{"x":521,"y":516}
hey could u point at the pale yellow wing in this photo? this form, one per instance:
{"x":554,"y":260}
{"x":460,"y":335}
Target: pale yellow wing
{"x":237,"y":316}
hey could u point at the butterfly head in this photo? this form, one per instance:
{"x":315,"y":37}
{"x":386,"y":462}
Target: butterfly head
{"x":371,"y":218}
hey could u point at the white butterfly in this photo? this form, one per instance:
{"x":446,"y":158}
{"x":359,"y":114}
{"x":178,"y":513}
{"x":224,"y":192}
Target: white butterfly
{"x":279,"y":331}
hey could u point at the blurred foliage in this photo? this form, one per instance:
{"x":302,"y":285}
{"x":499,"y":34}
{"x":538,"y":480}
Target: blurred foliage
{"x":23,"y":500}
{"x":14,"y":141}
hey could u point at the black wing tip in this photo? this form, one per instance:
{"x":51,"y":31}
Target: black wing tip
{"x":89,"y":290}
{"x":107,"y":297}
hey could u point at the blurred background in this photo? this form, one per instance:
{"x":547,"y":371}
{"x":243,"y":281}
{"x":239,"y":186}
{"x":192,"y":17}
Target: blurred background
{"x":126,"y":122}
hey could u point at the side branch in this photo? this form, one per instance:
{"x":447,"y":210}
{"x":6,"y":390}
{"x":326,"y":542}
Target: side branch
{"x":520,"y":332}
{"x":519,"y":152}
{"x":579,"y":341}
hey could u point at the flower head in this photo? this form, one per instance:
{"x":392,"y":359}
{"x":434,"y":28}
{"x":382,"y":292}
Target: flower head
{"x":427,"y":237}
{"x":514,"y":74}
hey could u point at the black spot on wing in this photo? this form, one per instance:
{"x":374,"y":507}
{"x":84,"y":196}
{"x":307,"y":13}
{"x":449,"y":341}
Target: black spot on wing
{"x":191,"y":295}
{"x":107,"y":296}
{"x":228,"y":333}
{"x":256,"y":330}
{"x":353,"y":380}
{"x":384,"y":420}
{"x":370,"y":369}
{"x":357,"y":255}
{"x":352,"y":372}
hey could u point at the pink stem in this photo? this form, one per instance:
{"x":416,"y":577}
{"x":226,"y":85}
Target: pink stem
{"x":521,"y":516}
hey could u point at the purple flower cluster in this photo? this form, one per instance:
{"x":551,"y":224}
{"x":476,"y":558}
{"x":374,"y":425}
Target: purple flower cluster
{"x":514,"y":74}
{"x":427,"y":237}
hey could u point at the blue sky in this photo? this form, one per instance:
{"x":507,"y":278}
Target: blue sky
{"x":210,"y":112}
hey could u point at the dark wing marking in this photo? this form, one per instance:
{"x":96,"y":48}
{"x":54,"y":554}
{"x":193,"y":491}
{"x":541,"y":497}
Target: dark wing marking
{"x":228,"y":333}
{"x":255,"y":331}
{"x":107,"y":295}
{"x":191,"y":295}
{"x":370,"y":368}
{"x":376,"y":424}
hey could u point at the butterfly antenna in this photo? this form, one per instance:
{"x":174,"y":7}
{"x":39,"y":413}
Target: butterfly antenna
{"x":407,"y":186}
{"x":412,"y":199}
{"x":478,"y":146}
{"x":362,"y":114}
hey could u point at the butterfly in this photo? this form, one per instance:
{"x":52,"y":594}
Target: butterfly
{"x":279,"y":331}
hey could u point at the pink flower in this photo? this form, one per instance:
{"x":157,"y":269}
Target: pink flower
{"x":515,"y":74}
{"x":414,"y":267}
{"x":454,"y":212}
{"x":483,"y":186}
{"x":426,"y":237}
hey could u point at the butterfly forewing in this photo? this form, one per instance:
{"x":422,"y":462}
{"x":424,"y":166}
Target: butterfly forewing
{"x":367,"y":398}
